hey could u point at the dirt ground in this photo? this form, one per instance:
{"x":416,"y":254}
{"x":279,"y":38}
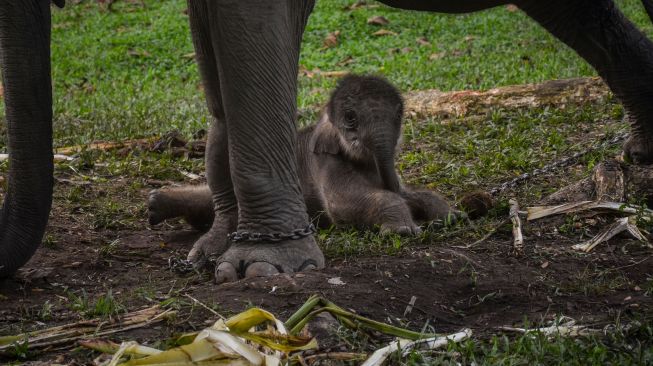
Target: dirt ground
{"x":484,"y":287}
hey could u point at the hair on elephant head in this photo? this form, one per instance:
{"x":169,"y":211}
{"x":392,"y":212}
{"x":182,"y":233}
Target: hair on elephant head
{"x":366,"y":112}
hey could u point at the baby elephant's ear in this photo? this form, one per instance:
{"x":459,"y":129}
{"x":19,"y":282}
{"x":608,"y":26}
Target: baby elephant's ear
{"x":325,"y":139}
{"x":59,"y":3}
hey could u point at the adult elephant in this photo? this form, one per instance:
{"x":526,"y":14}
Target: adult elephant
{"x":248,"y":53}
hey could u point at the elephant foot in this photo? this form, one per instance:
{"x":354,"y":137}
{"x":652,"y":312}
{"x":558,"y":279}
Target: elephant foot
{"x":638,"y":150}
{"x":214,"y":242}
{"x":401,"y":229}
{"x":244,"y":260}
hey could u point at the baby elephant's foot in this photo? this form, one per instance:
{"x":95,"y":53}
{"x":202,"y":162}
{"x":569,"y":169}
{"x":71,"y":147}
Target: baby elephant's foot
{"x":404,"y":229}
{"x":194,"y":205}
{"x":638,"y":150}
{"x":244,"y":260}
{"x":159,"y":207}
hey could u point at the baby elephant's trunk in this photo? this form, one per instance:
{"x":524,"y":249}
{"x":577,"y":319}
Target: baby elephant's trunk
{"x":384,"y":155}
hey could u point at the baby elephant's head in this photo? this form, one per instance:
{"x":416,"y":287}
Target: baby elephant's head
{"x":367,"y":112}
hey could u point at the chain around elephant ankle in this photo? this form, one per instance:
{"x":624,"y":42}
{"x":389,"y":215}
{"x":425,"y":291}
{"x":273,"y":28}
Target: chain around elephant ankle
{"x":241,"y":236}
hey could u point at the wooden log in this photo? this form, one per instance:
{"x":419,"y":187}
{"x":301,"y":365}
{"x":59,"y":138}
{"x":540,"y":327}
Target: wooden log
{"x":435,"y":103}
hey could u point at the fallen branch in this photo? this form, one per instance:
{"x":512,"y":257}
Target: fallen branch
{"x":518,"y":243}
{"x":70,"y":333}
{"x":105,"y":146}
{"x":380,"y":355}
{"x":611,"y":180}
{"x":622,"y":224}
{"x":56,"y":157}
{"x":566,"y":329}
{"x":538,"y":212}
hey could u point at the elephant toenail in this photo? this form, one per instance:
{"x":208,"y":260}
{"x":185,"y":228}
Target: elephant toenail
{"x":225,"y":272}
{"x":260,"y":269}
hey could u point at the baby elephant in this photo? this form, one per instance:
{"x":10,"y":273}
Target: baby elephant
{"x":346,"y":168}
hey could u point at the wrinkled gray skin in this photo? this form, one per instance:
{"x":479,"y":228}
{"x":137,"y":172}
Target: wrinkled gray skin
{"x":248,"y":53}
{"x":346,"y":168}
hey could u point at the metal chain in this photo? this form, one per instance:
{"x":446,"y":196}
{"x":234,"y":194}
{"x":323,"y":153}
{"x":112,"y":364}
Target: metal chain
{"x":562,"y":163}
{"x":240,"y":236}
{"x":181,"y":266}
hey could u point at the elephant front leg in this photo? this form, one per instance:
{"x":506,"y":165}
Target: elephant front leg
{"x":218,"y":173}
{"x":620,"y":52}
{"x":225,"y":207}
{"x":257,"y":47}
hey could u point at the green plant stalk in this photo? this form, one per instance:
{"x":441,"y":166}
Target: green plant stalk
{"x":303,"y":311}
{"x":364,"y":322}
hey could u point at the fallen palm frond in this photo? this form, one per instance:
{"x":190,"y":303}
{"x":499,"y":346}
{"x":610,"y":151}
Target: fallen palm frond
{"x":559,"y":328}
{"x":622,"y":224}
{"x":238,"y":340}
{"x":234,"y":341}
{"x":538,"y":212}
{"x":70,"y":333}
{"x":406,"y":346}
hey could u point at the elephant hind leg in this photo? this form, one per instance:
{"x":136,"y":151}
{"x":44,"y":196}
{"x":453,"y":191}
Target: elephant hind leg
{"x":427,"y":206}
{"x":620,"y":52}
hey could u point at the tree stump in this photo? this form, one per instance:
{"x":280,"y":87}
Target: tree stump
{"x":612,"y":180}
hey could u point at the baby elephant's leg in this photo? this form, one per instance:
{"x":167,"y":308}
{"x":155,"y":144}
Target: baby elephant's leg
{"x":376,"y":207}
{"x":427,"y":206}
{"x":193,"y":203}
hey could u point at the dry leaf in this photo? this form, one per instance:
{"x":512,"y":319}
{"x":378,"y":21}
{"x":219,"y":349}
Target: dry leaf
{"x":346,"y":61}
{"x":437,"y":55}
{"x":356,"y":5}
{"x":384,"y":32}
{"x":512,"y":8}
{"x":360,"y":4}
{"x":422,"y":41}
{"x":331,"y":40}
{"x":138,"y":53}
{"x":469,"y":38}
{"x":378,"y":20}
{"x":189,"y":55}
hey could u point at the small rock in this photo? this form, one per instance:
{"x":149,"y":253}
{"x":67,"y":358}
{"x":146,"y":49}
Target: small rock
{"x":336,"y":281}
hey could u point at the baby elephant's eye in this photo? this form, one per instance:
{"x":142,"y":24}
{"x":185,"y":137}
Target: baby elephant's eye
{"x":351,"y":122}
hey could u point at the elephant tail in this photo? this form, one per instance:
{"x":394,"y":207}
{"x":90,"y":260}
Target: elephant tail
{"x":648,"y":5}
{"x":25,"y":62}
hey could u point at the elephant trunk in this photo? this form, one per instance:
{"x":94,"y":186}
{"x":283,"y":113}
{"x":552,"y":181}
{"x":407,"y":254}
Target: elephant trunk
{"x":648,"y":6}
{"x":384,"y":154}
{"x":25,"y":63}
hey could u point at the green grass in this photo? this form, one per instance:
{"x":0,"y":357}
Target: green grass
{"x":619,"y":347}
{"x":127,"y":73}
